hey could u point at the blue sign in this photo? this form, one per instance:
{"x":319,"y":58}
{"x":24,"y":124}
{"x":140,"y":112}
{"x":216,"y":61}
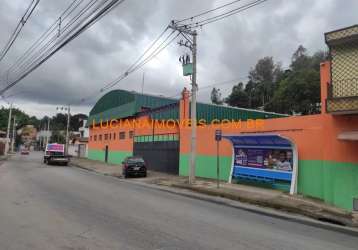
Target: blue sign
{"x":218,"y":135}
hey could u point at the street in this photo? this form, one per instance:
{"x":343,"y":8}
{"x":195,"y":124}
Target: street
{"x":54,"y":207}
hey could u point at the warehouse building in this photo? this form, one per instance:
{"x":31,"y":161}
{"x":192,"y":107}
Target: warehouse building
{"x":152,"y":127}
{"x":314,"y":155}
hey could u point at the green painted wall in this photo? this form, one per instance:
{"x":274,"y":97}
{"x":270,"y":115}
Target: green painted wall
{"x":334,"y":182}
{"x":97,"y":155}
{"x":114,"y":157}
{"x":206,"y":166}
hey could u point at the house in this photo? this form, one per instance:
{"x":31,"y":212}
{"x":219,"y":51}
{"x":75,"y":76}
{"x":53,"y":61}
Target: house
{"x":78,"y":145}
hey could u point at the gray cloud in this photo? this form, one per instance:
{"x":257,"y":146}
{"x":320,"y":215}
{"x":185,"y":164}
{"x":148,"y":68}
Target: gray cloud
{"x":227,"y":49}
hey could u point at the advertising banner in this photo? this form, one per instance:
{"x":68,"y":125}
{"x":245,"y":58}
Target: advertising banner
{"x":273,"y":159}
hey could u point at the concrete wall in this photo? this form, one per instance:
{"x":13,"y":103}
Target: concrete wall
{"x":328,"y":167}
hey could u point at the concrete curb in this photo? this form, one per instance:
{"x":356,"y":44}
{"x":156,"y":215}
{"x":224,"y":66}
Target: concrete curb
{"x":262,"y":208}
{"x":277,"y":204}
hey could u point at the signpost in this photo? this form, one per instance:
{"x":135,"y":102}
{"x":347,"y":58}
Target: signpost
{"x":218,"y":137}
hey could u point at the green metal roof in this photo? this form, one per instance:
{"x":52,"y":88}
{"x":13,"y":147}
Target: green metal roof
{"x":119,"y":104}
{"x":210,"y":112}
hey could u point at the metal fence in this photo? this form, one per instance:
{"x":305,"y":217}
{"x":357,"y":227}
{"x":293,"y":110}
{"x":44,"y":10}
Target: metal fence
{"x":343,"y":90}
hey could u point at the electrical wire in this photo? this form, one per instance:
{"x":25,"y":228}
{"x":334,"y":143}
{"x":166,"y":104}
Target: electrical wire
{"x":101,"y":10}
{"x":135,"y":66}
{"x":207,"y":12}
{"x":40,"y":53}
{"x":18,"y":28}
{"x":194,"y":25}
{"x":45,"y":35}
{"x":159,"y":49}
{"x":150,"y":47}
{"x":219,"y":17}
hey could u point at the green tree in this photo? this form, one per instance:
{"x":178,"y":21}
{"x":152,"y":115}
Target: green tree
{"x":238,"y":97}
{"x":216,"y":96}
{"x":299,"y":88}
{"x":58,"y":122}
{"x":263,"y":80}
{"x":57,"y":137}
{"x":76,"y":121}
{"x":21,"y":118}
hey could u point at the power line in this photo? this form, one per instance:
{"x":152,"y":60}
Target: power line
{"x":207,"y":12}
{"x":18,"y":28}
{"x":46,"y":48}
{"x":150,"y":47}
{"x":189,"y":26}
{"x":140,"y":62}
{"x":45,"y":35}
{"x":100,"y":10}
{"x":202,"y":22}
{"x":219,"y":17}
{"x":34,"y":51}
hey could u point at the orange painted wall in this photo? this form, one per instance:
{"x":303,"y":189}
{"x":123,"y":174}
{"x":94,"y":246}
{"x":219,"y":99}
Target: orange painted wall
{"x":314,"y":135}
{"x":126,"y":144}
{"x":113,"y":144}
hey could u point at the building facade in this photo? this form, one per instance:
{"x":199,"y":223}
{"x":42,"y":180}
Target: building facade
{"x":314,"y":155}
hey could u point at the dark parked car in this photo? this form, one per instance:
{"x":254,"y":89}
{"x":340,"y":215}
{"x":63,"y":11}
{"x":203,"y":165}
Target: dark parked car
{"x":134,"y":166}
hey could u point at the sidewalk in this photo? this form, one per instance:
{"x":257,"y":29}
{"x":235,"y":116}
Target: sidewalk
{"x":248,"y":194}
{"x":97,"y":166}
{"x":3,"y":158}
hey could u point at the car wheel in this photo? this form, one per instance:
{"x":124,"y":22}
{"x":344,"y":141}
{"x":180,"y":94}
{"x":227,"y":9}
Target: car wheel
{"x":145,"y":175}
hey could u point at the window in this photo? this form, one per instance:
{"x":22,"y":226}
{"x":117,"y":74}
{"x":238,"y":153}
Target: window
{"x":131,"y":134}
{"x":114,"y":136}
{"x":100,"y":137}
{"x":110,"y":136}
{"x":95,"y":138}
{"x":105,"y":136}
{"x":122,"y":135}
{"x":91,"y":138}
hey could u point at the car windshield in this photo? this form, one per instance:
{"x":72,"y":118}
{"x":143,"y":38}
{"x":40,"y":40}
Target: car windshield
{"x":135,"y":160}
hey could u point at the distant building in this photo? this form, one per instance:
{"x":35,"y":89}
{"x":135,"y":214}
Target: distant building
{"x":84,"y":130}
{"x":78,"y":145}
{"x":2,"y":142}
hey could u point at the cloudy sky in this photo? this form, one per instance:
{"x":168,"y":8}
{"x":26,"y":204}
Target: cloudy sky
{"x":226,"y":49}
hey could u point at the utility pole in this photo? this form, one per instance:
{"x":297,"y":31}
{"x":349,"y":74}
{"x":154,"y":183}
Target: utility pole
{"x":48,"y":130}
{"x":192,"y":45}
{"x":193,"y":115}
{"x":8,"y":131}
{"x":13,"y":134}
{"x":67,"y":128}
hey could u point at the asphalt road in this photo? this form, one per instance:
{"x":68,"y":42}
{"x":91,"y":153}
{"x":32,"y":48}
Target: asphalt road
{"x":49,"y":207}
